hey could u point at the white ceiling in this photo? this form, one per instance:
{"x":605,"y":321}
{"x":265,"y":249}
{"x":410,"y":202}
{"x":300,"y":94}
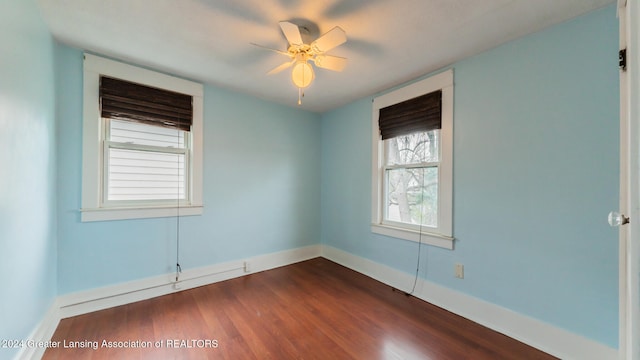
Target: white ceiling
{"x":389,"y":41}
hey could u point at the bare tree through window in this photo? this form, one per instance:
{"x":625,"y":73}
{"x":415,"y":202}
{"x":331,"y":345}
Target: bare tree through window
{"x":412,"y":178}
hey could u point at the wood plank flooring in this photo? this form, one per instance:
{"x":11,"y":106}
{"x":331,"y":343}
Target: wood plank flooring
{"x":316,"y":309}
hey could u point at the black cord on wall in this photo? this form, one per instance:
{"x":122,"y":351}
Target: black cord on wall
{"x":178,"y":268}
{"x":424,"y":177}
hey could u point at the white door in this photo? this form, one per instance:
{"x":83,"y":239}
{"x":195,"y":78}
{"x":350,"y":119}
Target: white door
{"x":629,"y":15}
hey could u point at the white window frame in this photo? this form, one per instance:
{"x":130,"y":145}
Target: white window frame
{"x":442,"y":235}
{"x":94,"y":207}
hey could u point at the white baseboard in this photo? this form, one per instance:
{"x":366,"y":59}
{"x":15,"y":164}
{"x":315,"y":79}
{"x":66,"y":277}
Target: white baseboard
{"x":42,"y":333}
{"x":548,"y":338}
{"x":543,"y":336}
{"x":120,"y":294}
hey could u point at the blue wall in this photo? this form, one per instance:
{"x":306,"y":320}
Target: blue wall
{"x":27,"y":181}
{"x":535,"y":173}
{"x":261,"y":191}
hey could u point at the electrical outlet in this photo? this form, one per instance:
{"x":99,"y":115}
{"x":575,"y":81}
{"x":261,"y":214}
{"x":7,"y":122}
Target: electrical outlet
{"x":459,"y":271}
{"x":247,"y":267}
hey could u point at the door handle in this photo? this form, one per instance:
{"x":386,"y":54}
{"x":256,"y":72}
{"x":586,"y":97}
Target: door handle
{"x":616,"y":219}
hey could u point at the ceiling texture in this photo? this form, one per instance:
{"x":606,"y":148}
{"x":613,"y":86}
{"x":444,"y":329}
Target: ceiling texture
{"x":389,"y":41}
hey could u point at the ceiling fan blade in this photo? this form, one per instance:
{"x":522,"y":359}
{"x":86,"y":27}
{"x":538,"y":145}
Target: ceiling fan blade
{"x":330,"y":62}
{"x":270,"y":49}
{"x":281,"y":67}
{"x":292,"y":32}
{"x":328,"y":41}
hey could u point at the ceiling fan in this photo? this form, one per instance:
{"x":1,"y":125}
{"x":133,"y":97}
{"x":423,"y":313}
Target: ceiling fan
{"x":301,"y":54}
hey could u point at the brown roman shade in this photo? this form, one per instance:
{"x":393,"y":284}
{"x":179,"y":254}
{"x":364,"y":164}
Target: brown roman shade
{"x":125,"y":100}
{"x":422,"y":113}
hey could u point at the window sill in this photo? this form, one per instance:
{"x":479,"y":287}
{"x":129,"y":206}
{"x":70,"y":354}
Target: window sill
{"x":124,"y":213}
{"x":438,"y":240}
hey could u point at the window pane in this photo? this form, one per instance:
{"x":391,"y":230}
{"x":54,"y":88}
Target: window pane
{"x":142,"y":134}
{"x":414,"y":148}
{"x":145,"y":175}
{"x":412,"y":196}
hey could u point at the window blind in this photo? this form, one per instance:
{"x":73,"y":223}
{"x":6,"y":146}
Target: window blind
{"x":422,"y":113}
{"x":125,"y":100}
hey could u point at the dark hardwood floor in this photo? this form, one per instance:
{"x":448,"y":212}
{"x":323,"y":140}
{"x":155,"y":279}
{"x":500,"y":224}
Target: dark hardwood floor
{"x":311,"y":310}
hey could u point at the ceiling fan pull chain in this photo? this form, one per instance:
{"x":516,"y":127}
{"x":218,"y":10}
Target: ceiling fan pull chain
{"x":299,"y":96}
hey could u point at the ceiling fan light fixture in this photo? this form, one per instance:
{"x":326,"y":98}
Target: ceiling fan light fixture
{"x":301,"y":54}
{"x":302,"y":74}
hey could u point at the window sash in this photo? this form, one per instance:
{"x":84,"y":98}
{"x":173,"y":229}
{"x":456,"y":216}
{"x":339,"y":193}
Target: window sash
{"x":123,"y":131}
{"x":424,"y":156}
{"x":386,"y":192}
{"x":183,"y":170}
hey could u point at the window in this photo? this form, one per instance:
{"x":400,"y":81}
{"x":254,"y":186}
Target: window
{"x":412,"y":162}
{"x":144,"y":163}
{"x":410,"y":183}
{"x":142,"y":143}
